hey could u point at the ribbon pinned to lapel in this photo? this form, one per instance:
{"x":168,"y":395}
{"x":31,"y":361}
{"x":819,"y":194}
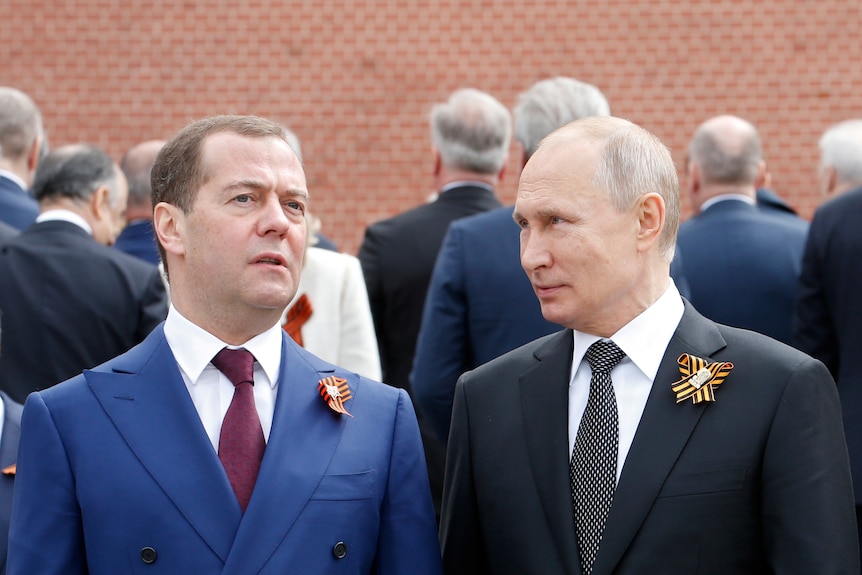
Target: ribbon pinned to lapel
{"x":699,"y":378}
{"x":335,"y":391}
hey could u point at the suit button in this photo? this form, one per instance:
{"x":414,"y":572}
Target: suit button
{"x":340,"y":550}
{"x":148,"y":555}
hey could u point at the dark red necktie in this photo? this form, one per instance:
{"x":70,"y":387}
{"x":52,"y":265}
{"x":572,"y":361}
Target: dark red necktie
{"x":297,"y":315}
{"x":241,"y":442}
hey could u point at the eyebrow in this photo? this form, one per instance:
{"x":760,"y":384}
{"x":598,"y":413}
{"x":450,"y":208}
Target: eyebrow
{"x":260,"y":185}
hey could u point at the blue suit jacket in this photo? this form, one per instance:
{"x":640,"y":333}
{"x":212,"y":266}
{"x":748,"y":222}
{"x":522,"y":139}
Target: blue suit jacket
{"x":115,"y":463}
{"x":138,"y":239}
{"x":742,"y":265}
{"x":17,"y":207}
{"x":480,"y":304}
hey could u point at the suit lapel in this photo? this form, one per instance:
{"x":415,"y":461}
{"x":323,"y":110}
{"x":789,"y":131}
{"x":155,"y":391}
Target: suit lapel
{"x":305,"y":434}
{"x":148,"y":403}
{"x":544,"y":401}
{"x":661,"y":436}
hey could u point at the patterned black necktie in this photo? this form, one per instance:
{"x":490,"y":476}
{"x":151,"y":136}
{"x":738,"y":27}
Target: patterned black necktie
{"x":593,"y":469}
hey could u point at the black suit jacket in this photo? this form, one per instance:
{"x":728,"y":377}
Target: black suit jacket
{"x":756,"y":482}
{"x":8,"y":456}
{"x":829,"y":311}
{"x":69,"y":303}
{"x":397,"y":257}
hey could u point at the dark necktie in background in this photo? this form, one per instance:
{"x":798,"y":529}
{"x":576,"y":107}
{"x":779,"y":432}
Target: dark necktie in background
{"x":593,"y":469}
{"x":241,"y":443}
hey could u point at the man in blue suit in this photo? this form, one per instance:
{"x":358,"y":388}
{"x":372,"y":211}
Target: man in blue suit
{"x":272,"y":462}
{"x":137,"y":238}
{"x":21,"y":139}
{"x":742,"y":263}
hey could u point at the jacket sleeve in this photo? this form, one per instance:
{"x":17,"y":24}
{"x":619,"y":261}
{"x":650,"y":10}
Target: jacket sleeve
{"x":46,"y":533}
{"x":807,"y":495}
{"x":814,"y":326}
{"x":460,"y":531}
{"x":442,"y":351}
{"x":408,"y":529}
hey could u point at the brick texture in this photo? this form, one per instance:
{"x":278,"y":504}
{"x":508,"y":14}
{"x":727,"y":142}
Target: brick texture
{"x":356,"y":79}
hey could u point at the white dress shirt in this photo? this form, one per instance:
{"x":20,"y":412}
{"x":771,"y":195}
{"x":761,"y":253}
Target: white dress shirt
{"x":725,"y":197}
{"x":211,"y":391}
{"x":644,"y":341}
{"x":64,"y":216}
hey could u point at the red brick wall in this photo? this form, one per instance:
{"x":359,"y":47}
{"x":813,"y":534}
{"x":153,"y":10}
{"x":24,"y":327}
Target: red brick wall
{"x":355,"y":79}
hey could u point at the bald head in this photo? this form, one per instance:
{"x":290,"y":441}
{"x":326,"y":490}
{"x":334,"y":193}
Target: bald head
{"x":137,"y":163}
{"x":727,"y":150}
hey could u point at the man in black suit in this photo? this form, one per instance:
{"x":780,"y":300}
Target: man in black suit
{"x":644,"y":438}
{"x":470,"y":133}
{"x":742,"y":263}
{"x":829,"y":311}
{"x":21,"y":143}
{"x":68,"y":301}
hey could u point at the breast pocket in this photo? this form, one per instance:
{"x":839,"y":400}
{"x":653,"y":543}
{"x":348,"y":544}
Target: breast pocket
{"x":345,"y":487}
{"x":704,"y":483}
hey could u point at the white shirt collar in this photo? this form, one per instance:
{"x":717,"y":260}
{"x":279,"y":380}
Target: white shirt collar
{"x":724,"y":197}
{"x":645,"y":338}
{"x":65,"y":216}
{"x":464,"y":183}
{"x":194,"y":347}
{"x":14,"y":177}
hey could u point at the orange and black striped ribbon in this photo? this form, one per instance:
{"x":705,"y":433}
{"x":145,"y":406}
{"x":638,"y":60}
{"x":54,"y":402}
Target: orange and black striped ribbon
{"x":699,"y":378}
{"x":335,"y":391}
{"x":297,"y":315}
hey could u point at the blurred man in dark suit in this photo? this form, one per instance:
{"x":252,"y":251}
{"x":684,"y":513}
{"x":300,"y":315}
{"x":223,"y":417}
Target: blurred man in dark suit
{"x":470,"y":133}
{"x":68,"y":301}
{"x":829,"y":310}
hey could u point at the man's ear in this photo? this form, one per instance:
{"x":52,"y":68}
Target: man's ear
{"x":438,"y":162}
{"x":651,"y":214}
{"x":100,"y":203}
{"x":169,"y":226}
{"x":831,"y":180}
{"x":693,"y":178}
{"x":34,"y":154}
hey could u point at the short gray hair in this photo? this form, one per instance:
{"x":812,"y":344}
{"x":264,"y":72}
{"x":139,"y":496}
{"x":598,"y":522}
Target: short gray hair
{"x":632,"y":162}
{"x":20,"y":123}
{"x":841,"y":149}
{"x":75,"y":172}
{"x":472,"y":131}
{"x":551,"y":104}
{"x":728,"y":151}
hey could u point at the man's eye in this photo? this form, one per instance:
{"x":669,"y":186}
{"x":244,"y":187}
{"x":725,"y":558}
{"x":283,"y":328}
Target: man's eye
{"x":243,"y":198}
